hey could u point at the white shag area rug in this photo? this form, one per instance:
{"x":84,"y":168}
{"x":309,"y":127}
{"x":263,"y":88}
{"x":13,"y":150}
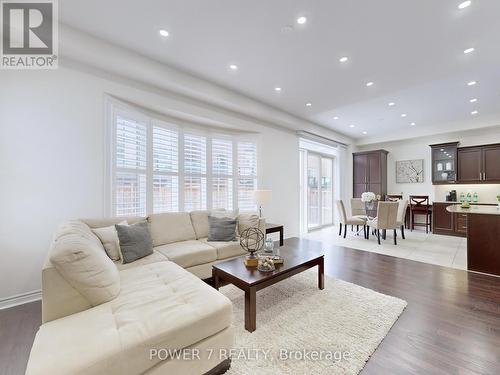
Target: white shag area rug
{"x":304,"y":330}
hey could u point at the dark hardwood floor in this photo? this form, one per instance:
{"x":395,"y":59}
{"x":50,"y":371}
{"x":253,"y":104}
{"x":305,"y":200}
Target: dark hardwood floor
{"x":451,"y":324}
{"x":18,"y":326}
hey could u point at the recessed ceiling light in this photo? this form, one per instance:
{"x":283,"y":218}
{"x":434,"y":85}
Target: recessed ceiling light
{"x":469,"y":50}
{"x":368,"y":84}
{"x":471,"y":83}
{"x":343,"y":59}
{"x":352,"y":126}
{"x":413,"y":124}
{"x":473,"y":100}
{"x":301,"y":20}
{"x":336,"y":118}
{"x":233,"y":67}
{"x":308,"y":104}
{"x":163,"y":33}
{"x":442,"y":150}
{"x":403,"y":115}
{"x":277,"y":89}
{"x":464,"y":4}
{"x":365,"y":133}
{"x":391,"y":104}
{"x":474,"y":112}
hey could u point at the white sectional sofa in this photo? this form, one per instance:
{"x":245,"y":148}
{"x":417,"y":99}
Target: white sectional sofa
{"x":104,"y":317}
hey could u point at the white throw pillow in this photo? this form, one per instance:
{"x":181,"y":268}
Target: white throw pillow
{"x":109,"y":239}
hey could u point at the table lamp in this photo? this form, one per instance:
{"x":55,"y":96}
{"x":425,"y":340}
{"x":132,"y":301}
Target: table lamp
{"x":261,"y":198}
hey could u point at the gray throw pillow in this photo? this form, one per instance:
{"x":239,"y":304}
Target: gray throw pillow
{"x":135,"y":241}
{"x":221,"y":229}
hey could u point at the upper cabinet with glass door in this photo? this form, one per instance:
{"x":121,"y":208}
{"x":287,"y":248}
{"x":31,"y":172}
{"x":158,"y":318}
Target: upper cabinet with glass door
{"x":444,"y":163}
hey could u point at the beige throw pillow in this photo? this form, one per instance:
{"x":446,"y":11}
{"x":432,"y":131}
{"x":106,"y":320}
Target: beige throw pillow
{"x":110,"y":241}
{"x":247,"y":220}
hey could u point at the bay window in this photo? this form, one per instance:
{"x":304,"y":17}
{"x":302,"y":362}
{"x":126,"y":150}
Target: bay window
{"x":157,"y":167}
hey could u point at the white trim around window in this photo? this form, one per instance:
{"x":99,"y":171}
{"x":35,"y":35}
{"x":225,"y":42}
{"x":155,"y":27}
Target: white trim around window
{"x":153,"y":164}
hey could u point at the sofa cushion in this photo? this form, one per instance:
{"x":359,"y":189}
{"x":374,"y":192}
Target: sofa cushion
{"x":188,"y":253}
{"x":83,"y":263}
{"x":226,"y":249}
{"x":76,"y":227}
{"x":223,"y":213}
{"x":109,"y":239}
{"x":107,"y":221}
{"x":199,"y":219}
{"x":153,"y":258}
{"x":171,"y":227}
{"x":135,"y":241}
{"x":160,"y":306}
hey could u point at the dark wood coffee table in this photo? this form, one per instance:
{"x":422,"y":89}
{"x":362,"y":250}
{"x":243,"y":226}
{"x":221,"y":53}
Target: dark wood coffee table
{"x":250,"y":279}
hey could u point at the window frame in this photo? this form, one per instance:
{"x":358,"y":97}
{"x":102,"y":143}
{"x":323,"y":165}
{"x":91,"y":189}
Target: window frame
{"x":115,"y":108}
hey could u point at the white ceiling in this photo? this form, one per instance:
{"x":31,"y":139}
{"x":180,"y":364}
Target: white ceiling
{"x":411,"y":50}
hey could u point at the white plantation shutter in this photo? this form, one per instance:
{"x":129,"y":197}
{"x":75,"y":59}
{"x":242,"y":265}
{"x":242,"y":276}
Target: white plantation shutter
{"x":165,"y":170}
{"x":155,"y":167}
{"x":222,"y":173}
{"x":130,"y":167}
{"x":247,"y":175}
{"x":195,"y":172}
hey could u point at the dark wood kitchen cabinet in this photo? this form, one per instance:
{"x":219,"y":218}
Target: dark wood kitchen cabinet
{"x":491,"y":163}
{"x":370,"y":172}
{"x":479,"y":164}
{"x":444,"y":163}
{"x":470,"y":165}
{"x":447,"y":223}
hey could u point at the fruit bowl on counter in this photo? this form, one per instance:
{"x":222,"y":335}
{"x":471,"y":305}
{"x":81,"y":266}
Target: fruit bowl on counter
{"x":465,"y":204}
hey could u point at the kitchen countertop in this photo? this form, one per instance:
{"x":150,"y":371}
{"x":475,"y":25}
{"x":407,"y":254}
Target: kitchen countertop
{"x":478,"y":209}
{"x":479,"y":203}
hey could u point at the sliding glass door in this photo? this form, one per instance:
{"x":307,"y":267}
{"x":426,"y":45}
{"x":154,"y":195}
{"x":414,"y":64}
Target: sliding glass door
{"x":313,"y":191}
{"x":326,"y":191}
{"x":319,"y":190}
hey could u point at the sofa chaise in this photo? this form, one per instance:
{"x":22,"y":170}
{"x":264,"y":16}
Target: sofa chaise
{"x":103,"y":317}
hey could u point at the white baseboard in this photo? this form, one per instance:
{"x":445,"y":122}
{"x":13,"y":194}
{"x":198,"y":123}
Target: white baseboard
{"x":20,"y":299}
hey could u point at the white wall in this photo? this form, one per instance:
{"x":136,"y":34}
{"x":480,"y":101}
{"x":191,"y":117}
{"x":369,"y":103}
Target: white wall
{"x":52,"y":158}
{"x":418,"y":148}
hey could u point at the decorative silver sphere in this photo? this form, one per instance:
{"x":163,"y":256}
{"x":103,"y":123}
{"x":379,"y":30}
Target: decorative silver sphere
{"x":252,"y":240}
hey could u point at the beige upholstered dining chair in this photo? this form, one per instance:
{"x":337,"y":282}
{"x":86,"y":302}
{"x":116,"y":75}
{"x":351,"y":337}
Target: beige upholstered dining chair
{"x":348,"y":220}
{"x":358,"y":209}
{"x":387,"y":219}
{"x":402,"y":208}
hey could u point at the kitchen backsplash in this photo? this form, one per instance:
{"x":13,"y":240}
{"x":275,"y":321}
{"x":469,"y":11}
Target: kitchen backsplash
{"x":487,"y":193}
